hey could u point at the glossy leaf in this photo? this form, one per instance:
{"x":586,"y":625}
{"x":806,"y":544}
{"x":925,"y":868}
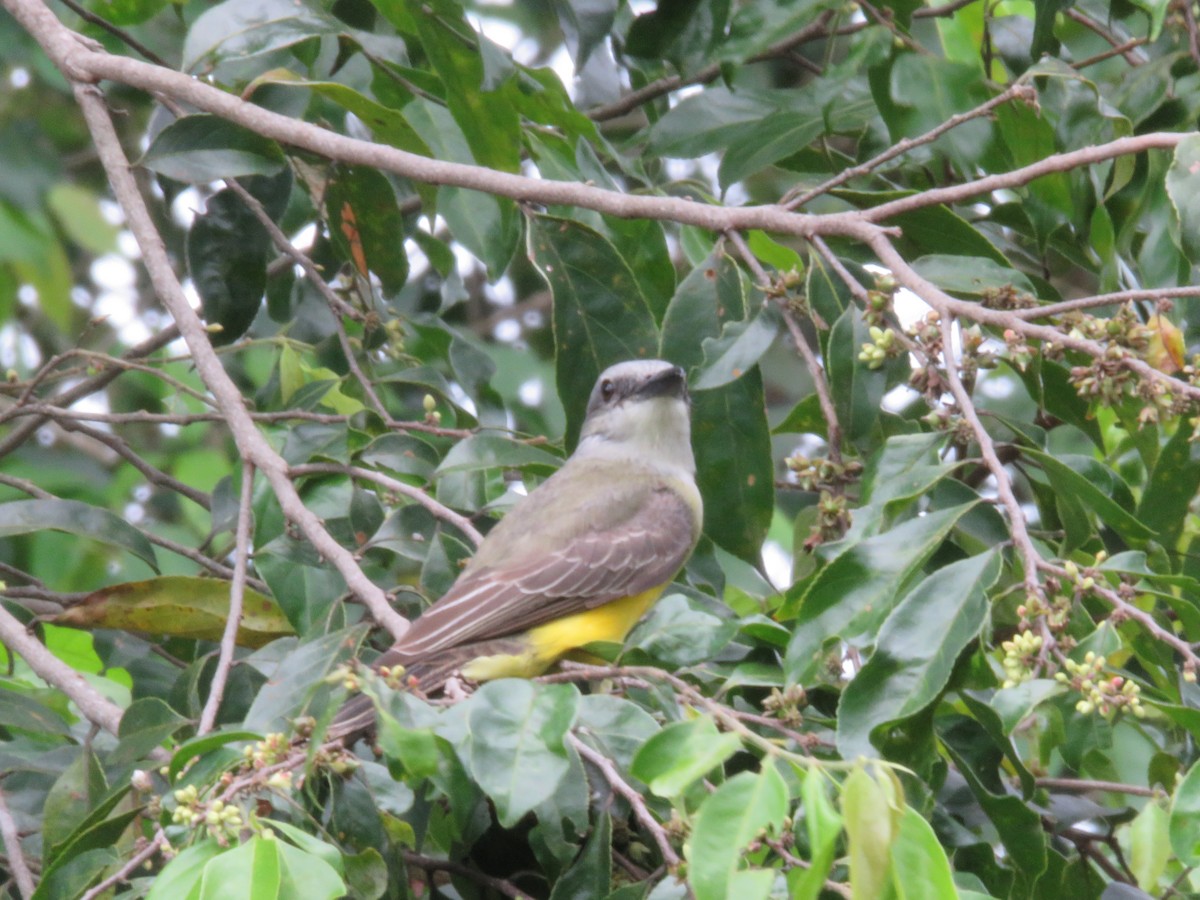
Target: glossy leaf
{"x":203,"y":148}
{"x":681,"y":754}
{"x":911,"y":665}
{"x":872,"y":809}
{"x":729,"y":819}
{"x":919,"y":865}
{"x":860,"y":586}
{"x":366,"y":222}
{"x":516,"y":751}
{"x":25,"y":516}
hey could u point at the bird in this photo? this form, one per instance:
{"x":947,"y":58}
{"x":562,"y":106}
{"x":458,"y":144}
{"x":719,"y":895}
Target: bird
{"x":581,"y":558}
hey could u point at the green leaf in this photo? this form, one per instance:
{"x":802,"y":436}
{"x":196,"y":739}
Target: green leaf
{"x":250,"y":870}
{"x":490,"y":227}
{"x":1172,"y":484}
{"x":1018,"y":824}
{"x":872,"y":804}
{"x":25,"y":713}
{"x":676,"y":634}
{"x":908,"y":466}
{"x":366,"y":223}
{"x":200,"y":746}
{"x":305,"y":874}
{"x":495,"y":451}
{"x":971,"y":275}
{"x":681,"y":754}
{"x":227,"y":256}
{"x":1093,"y":484}
{"x":859,"y":588}
{"x":516,"y":751}
{"x":600,"y":315}
{"x":72,"y":797}
{"x":1150,"y":844}
{"x":912,"y":664}
{"x":77,"y":211}
{"x":920,"y":870}
{"x":487,"y":117}
{"x":768,"y":141}
{"x":590,"y":874}
{"x":857,"y":390}
{"x":1184,"y":821}
{"x":931,"y":229}
{"x":615,"y":726}
{"x":823,"y":826}
{"x":203,"y":148}
{"x":1183,"y":187}
{"x":145,"y":725}
{"x":709,"y":120}
{"x":291,"y":681}
{"x":73,"y":517}
{"x":1046,"y":11}
{"x":738,"y":349}
{"x":180,"y":878}
{"x":726,"y":822}
{"x":730,"y":433}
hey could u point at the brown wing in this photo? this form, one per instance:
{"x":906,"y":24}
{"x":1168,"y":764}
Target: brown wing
{"x":594,"y":567}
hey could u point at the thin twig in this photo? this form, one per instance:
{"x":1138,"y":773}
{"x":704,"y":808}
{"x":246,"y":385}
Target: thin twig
{"x":1113,"y":299}
{"x":507,"y":888}
{"x":987,"y":449}
{"x":439,"y":510}
{"x":237,"y":593}
{"x":129,"y":40}
{"x":1019,"y":90}
{"x":1091,"y":24}
{"x":1119,"y":50}
{"x":89,"y":386}
{"x":157,"y":845}
{"x":1189,"y":19}
{"x":1082,"y":786}
{"x":12,"y":849}
{"x":632,"y":797}
{"x":833,"y":430}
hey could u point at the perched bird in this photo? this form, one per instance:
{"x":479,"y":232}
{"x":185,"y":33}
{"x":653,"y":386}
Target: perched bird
{"x":580,"y":559}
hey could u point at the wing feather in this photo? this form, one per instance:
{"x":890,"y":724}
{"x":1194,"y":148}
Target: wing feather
{"x":615,"y":559}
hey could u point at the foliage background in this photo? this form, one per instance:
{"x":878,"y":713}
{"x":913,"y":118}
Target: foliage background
{"x":919,"y":262}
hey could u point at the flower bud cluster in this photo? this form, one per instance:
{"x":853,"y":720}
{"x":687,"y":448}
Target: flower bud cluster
{"x":1106,"y":694}
{"x":220,"y":819}
{"x":270,"y":750}
{"x":1020,"y":657}
{"x":883,"y":344}
{"x":785,"y":705}
{"x":822,"y":473}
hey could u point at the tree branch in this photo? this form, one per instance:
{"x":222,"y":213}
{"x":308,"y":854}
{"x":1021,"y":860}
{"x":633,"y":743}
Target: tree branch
{"x":251,"y":444}
{"x":95,"y":707}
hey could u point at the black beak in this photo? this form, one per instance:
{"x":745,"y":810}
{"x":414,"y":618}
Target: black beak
{"x":670,"y":382}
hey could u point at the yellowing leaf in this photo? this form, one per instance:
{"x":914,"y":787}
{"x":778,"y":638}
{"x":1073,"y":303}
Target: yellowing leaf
{"x":179,"y":606}
{"x":1166,"y":348}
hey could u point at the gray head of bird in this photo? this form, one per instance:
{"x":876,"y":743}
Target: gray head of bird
{"x":640,"y":410}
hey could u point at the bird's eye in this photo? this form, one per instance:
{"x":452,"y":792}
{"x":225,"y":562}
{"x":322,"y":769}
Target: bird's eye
{"x":607,"y":389}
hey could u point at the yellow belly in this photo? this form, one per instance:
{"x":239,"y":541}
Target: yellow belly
{"x":547,"y":643}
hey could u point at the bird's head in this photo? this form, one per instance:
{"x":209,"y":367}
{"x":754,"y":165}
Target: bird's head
{"x":640,"y":409}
